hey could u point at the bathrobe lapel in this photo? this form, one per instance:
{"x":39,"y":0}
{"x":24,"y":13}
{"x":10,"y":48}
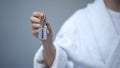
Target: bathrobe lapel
{"x":105,"y":32}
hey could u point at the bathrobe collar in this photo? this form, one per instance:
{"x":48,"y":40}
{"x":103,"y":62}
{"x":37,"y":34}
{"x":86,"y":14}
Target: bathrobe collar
{"x":104,"y":30}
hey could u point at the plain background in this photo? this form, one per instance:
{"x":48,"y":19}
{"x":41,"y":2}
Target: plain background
{"x":17,"y":44}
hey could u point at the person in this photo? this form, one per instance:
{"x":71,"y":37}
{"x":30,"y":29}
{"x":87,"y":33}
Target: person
{"x":90,"y":38}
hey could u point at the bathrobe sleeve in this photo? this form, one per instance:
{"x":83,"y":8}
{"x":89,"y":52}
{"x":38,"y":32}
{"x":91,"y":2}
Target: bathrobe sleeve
{"x":62,"y":42}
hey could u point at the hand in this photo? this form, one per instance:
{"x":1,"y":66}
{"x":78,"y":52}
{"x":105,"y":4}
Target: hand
{"x":49,"y":49}
{"x":35,"y":21}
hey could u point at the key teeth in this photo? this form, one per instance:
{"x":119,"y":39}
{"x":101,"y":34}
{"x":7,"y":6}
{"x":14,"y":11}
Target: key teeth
{"x":43,"y":22}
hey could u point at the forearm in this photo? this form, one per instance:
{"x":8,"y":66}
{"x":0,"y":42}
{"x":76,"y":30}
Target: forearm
{"x":49,"y":53}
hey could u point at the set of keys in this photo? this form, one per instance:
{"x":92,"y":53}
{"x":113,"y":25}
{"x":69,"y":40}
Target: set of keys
{"x":43,"y":30}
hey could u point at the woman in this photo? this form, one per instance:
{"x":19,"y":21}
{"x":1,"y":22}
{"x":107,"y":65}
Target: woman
{"x":88,"y":39}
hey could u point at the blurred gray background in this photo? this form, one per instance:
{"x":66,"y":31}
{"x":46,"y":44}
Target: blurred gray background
{"x":17,"y":44}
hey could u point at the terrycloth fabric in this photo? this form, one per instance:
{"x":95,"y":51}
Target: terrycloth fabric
{"x":88,"y":39}
{"x":116,"y":19}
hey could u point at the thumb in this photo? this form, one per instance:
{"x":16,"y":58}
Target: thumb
{"x":49,"y":27}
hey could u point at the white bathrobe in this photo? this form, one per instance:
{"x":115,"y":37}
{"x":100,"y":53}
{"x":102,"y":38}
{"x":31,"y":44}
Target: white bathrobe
{"x":88,"y":39}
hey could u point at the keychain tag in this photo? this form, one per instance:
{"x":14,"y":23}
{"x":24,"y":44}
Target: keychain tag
{"x":43,"y":33}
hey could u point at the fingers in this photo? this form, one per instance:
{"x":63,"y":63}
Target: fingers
{"x":35,"y":33}
{"x":36,"y":26}
{"x":34,"y":20}
{"x":38,"y":14}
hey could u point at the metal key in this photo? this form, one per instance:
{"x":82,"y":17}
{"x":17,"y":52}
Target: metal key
{"x":43,"y":30}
